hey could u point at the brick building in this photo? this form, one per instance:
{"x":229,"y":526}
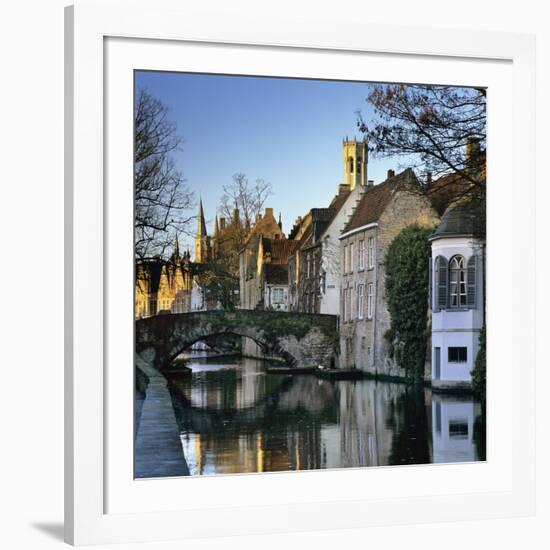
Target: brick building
{"x":383,"y":211}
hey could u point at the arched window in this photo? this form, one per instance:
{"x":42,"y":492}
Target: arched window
{"x":351,"y":165}
{"x":457,"y":282}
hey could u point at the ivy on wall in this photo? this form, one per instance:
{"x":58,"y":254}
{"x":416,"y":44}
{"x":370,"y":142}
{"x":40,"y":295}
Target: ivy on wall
{"x":479,"y":370}
{"x":407,"y":288}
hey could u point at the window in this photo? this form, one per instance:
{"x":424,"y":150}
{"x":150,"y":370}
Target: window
{"x":345,"y":259}
{"x":358,"y":166}
{"x":458,"y":355}
{"x":345,"y":304}
{"x":361,"y":255}
{"x":351,"y":312}
{"x":278,"y":295}
{"x":360,"y":300}
{"x":371,"y":252}
{"x":350,"y":162}
{"x":350,"y":261}
{"x":308,"y":265}
{"x":370,"y":300}
{"x":457,"y":282}
{"x":458,"y":429}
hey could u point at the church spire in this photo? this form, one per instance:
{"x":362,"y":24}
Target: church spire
{"x":216,"y":231}
{"x":280,"y":222}
{"x":202,"y":242}
{"x":201,"y":226}
{"x":176,"y":249}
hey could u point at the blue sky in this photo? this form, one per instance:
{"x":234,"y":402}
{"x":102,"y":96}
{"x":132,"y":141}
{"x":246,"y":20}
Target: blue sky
{"x":287,"y":131}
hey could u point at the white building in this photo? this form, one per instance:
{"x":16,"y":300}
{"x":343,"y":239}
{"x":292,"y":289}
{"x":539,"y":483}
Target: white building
{"x":457,"y":275}
{"x":355,"y":160}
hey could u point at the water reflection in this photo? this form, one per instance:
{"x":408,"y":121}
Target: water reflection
{"x":235,"y":418}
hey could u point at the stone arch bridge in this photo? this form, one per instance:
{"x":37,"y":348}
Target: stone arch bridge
{"x":302,"y":339}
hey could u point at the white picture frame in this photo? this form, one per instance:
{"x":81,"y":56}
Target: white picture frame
{"x":103,"y":503}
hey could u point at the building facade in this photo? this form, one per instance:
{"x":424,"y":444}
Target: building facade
{"x":261,"y":287}
{"x":383,"y":211}
{"x":457,"y":294}
{"x":164,"y":286}
{"x":314,"y":266}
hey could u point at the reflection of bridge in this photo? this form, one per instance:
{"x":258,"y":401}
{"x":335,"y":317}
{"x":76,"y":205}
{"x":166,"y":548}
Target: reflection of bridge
{"x":293,"y":399}
{"x":301,"y":339}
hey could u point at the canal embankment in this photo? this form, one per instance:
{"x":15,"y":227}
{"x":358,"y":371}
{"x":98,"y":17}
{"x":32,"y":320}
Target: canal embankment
{"x":158,"y":450}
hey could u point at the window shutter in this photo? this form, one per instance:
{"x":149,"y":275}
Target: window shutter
{"x":442,"y":283}
{"x":471,"y":282}
{"x":430,"y":290}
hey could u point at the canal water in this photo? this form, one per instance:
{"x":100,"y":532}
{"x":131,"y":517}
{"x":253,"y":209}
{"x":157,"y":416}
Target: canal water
{"x":234,"y":417}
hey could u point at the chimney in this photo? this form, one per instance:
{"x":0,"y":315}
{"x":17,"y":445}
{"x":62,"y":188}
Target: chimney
{"x":269,"y":212}
{"x":391,"y":174}
{"x":222,"y":224}
{"x":473,"y":150}
{"x":370,"y":183}
{"x":429,"y":178}
{"x":343,"y":188}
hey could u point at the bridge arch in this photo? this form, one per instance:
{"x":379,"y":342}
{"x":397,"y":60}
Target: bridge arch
{"x":274,"y":349}
{"x":301,"y":339}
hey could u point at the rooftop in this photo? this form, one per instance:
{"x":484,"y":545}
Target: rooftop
{"x":376,"y":198}
{"x":466,"y":219}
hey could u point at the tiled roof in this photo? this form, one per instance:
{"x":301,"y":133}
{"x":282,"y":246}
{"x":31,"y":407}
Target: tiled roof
{"x":276,"y":274}
{"x":375,"y":199}
{"x":462,"y":220}
{"x":322,"y":214}
{"x":444,"y":190}
{"x":280,"y":249}
{"x":339,"y":200}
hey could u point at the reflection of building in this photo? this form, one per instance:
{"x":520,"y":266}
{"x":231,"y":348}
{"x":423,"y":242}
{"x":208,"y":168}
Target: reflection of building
{"x":453,"y":429}
{"x":457,"y":294}
{"x":383,"y":211}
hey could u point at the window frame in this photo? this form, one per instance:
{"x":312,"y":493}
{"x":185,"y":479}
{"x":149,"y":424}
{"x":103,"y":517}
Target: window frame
{"x":361,"y":266}
{"x":460,"y":284}
{"x":360,"y":301}
{"x":370,"y":300}
{"x":370,"y":252}
{"x":458,"y":350}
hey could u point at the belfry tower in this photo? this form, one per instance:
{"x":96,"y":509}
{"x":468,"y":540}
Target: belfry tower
{"x":355,"y":157}
{"x":201,"y":239}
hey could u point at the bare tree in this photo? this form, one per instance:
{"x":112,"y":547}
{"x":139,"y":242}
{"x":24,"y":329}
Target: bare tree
{"x":162,"y":199}
{"x":248,"y":198}
{"x":431,"y":127}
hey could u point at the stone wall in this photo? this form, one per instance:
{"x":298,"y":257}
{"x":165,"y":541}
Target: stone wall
{"x":359,"y":336}
{"x":303,"y":340}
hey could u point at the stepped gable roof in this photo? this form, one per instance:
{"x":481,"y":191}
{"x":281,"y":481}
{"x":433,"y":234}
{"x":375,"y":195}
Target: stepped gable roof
{"x":465,"y":219}
{"x":304,"y":240}
{"x":276,"y":274}
{"x":376,"y":198}
{"x":338,"y":201}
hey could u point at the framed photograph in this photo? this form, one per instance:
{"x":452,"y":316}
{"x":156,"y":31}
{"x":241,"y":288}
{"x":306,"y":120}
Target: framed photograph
{"x":299,"y":274}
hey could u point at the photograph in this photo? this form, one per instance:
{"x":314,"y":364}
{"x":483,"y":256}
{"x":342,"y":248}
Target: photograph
{"x":309,"y":274}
